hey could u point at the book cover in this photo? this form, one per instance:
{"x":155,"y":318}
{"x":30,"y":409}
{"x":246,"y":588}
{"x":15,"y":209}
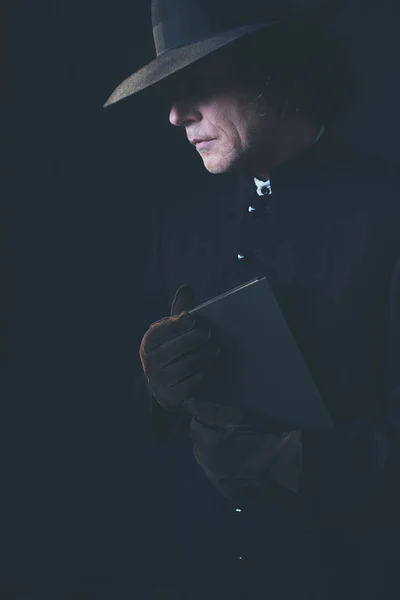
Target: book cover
{"x":260,"y":365}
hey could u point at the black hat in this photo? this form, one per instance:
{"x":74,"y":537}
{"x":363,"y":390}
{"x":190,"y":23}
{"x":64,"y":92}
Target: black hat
{"x":185,"y":31}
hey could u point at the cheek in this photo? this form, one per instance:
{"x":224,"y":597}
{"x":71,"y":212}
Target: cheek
{"x":231,"y":128}
{"x":229,"y":119}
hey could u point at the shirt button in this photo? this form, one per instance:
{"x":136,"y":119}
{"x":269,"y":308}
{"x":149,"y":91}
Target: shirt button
{"x":244,"y":256}
{"x":258,"y":207}
{"x":265,"y":190}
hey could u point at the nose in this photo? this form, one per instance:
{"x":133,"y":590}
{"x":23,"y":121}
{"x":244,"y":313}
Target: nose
{"x":183,"y":113}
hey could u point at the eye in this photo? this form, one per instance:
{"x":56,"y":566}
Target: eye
{"x":176,"y":90}
{"x":196,"y":85}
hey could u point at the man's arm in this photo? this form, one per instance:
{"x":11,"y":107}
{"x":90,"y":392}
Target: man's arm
{"x":347,"y":470}
{"x":351,"y":472}
{"x":357,"y":465}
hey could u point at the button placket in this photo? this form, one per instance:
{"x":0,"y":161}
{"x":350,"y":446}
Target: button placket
{"x":245,"y":256}
{"x":239,"y":522}
{"x":256,"y":209}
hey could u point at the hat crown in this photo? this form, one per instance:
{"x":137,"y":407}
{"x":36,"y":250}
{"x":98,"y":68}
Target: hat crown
{"x":184,"y":31}
{"x":184,"y":22}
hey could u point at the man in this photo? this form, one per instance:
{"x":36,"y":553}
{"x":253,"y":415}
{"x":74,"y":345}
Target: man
{"x":320,"y":220}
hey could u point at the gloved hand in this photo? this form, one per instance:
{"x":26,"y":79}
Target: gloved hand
{"x":243,"y":464}
{"x":178,"y":355}
{"x":178,"y":352}
{"x":236,"y":450}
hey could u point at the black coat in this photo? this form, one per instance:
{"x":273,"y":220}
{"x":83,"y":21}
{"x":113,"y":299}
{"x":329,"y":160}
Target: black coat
{"x":328,"y":240}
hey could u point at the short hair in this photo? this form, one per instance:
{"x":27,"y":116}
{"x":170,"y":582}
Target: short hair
{"x":311,"y":68}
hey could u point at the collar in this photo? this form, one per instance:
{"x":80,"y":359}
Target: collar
{"x":264,"y":187}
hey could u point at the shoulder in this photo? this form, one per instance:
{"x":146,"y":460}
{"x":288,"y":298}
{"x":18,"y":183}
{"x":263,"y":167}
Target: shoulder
{"x":349,"y":161}
{"x":356,"y":185}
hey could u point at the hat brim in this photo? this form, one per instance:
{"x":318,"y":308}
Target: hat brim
{"x":174,"y":60}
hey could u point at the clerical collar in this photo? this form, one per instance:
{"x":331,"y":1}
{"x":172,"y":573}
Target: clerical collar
{"x":264,"y":187}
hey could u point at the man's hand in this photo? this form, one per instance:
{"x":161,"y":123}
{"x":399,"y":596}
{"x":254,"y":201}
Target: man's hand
{"x":177,"y":353}
{"x":242,"y":463}
{"x":236,"y":452}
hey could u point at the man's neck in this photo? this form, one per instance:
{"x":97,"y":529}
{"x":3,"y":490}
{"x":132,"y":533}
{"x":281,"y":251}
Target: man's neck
{"x":294,"y":136}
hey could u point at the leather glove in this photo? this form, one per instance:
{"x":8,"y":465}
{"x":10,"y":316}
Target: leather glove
{"x":177,"y":353}
{"x":243,"y":464}
{"x":179,"y":358}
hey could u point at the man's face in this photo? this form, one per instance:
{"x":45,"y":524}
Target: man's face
{"x":208,"y":100}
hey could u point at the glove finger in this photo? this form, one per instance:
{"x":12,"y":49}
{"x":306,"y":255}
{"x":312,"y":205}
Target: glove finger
{"x":166,"y":329}
{"x":174,"y":347}
{"x":188,"y":386}
{"x":173,"y":397}
{"x":193,"y":362}
{"x":180,"y":346}
{"x":184,"y":300}
{"x":197,"y":347}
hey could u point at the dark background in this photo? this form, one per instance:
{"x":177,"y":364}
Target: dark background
{"x":80,"y":185}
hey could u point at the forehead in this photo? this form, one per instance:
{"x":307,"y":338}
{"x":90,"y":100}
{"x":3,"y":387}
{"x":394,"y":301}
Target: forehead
{"x":217,"y":61}
{"x":216,"y":69}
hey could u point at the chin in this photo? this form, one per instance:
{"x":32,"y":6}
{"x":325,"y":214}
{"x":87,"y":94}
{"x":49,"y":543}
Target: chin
{"x":215,"y":170}
{"x":218,"y":168}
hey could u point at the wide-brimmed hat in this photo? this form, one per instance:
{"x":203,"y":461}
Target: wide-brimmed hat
{"x":185,"y":31}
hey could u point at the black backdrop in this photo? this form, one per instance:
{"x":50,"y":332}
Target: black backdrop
{"x":80,"y":186}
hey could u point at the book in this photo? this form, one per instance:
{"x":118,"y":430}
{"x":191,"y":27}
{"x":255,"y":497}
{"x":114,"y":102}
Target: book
{"x":260,"y":366}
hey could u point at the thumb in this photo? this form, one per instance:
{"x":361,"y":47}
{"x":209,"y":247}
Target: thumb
{"x":184,"y":300}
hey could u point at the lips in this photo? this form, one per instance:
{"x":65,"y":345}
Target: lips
{"x":196,"y":141}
